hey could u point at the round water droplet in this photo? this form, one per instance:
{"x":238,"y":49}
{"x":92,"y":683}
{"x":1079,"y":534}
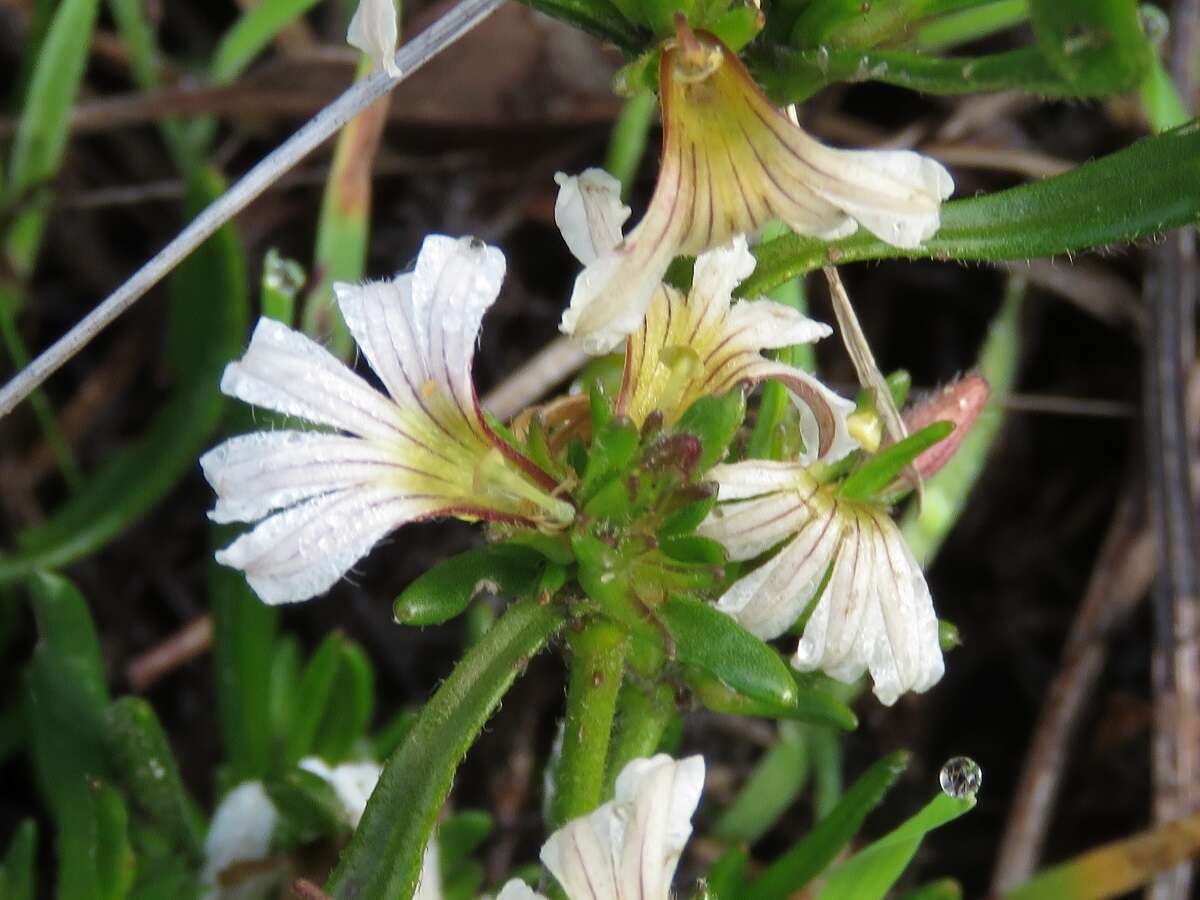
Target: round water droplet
{"x":961,"y":777}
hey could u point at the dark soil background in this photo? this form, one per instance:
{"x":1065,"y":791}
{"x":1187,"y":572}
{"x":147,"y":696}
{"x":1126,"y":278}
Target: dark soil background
{"x":471,"y":147}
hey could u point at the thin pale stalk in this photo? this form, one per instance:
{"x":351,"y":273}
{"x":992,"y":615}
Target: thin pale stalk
{"x":411,"y":57}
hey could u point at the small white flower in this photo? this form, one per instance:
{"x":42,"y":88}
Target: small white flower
{"x":240,"y":832}
{"x":374,"y":31}
{"x":628,"y":848}
{"x":875,"y":613}
{"x":732,"y":163}
{"x":422,"y":450}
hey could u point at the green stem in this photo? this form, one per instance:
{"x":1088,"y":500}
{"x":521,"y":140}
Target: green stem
{"x":596,"y":667}
{"x":773,"y":404}
{"x":627,"y":146}
{"x":383,"y":860}
{"x":642,"y":718}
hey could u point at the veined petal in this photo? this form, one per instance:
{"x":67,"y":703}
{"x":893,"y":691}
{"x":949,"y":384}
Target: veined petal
{"x":731,"y":163}
{"x":303,"y":551}
{"x":589,"y":213}
{"x":374,"y":31}
{"x":629,"y":848}
{"x":754,"y":477}
{"x":702,"y":343}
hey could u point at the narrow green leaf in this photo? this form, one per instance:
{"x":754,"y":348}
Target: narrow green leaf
{"x":44,"y":126}
{"x":1141,"y":190}
{"x":809,"y":857}
{"x":971,"y":24}
{"x":885,"y":466}
{"x":383,"y":859}
{"x":685,"y":520}
{"x":312,"y":699}
{"x":444,"y":591}
{"x":778,"y":779}
{"x":813,"y":706}
{"x":460,"y":836}
{"x":942,"y":889}
{"x":727,"y":876}
{"x":871,"y":872}
{"x":207,"y":327}
{"x":349,"y":708}
{"x":307,"y":803}
{"x":599,"y":18}
{"x":17,"y":871}
{"x":253,"y":32}
{"x":714,"y":642}
{"x":243,"y":642}
{"x":611,"y":452}
{"x":114,"y":861}
{"x":694,"y":550}
{"x":146,"y":768}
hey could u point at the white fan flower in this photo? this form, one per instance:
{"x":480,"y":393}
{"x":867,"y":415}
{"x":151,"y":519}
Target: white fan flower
{"x":240,"y":832}
{"x":628,"y":848}
{"x":874,"y":615}
{"x":374,"y":30}
{"x":731,"y":163}
{"x":322,"y":500}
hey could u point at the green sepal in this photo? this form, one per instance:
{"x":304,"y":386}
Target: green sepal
{"x":725,"y":877}
{"x":447,"y":589}
{"x":537,"y":448}
{"x":870,"y":873}
{"x":883,"y":468}
{"x":614,"y":445}
{"x":687,"y":518}
{"x":813,"y":853}
{"x":308,"y":806}
{"x":604,"y":576}
{"x":1097,"y":46}
{"x":694,"y":550}
{"x":714,"y":421}
{"x":813,"y":706}
{"x":713,"y":642}
{"x":148,"y":771}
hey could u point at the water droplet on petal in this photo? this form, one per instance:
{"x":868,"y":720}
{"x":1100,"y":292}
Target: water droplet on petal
{"x":961,"y":777}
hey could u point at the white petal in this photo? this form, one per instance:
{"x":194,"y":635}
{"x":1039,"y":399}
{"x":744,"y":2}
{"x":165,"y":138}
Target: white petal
{"x":352,"y":782}
{"x":589,"y":213}
{"x":717,"y":272}
{"x":772,"y":597}
{"x":374,"y":31}
{"x":609,"y":300}
{"x":516,"y":889}
{"x":767,"y":325}
{"x":304,"y":550}
{"x":823,"y":413}
{"x":255,"y":474}
{"x":747,"y":528}
{"x":429,"y":881}
{"x":286,"y":372}
{"x":737,"y":481}
{"x":241,"y":831}
{"x":628,"y":848}
{"x":419,"y":330}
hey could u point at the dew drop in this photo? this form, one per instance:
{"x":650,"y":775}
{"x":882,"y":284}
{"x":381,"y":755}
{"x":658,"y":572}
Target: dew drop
{"x":961,"y":777}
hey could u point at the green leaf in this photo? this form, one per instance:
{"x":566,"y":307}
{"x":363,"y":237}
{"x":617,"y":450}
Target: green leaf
{"x":871,"y":872}
{"x":17,"y":868}
{"x":460,"y":836}
{"x":1097,"y":46}
{"x":349,"y":707}
{"x":243,"y":655}
{"x":942,"y":889}
{"x":713,"y":642}
{"x":447,"y":589}
{"x":1138,"y":191}
{"x":814,"y":706}
{"x":694,"y":550}
{"x":253,"y":32}
{"x":884,"y":467}
{"x":809,"y":857}
{"x":385,"y":742}
{"x":65,"y":700}
{"x":599,"y":18}
{"x":44,"y":126}
{"x":146,"y":768}
{"x":687,"y":518}
{"x":714,"y":421}
{"x":778,"y":779}
{"x":312,"y":699}
{"x":307,"y":803}
{"x":383,"y":859}
{"x":611,"y":452}
{"x":115,"y":865}
{"x":208,"y":318}
{"x":727,"y":876}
